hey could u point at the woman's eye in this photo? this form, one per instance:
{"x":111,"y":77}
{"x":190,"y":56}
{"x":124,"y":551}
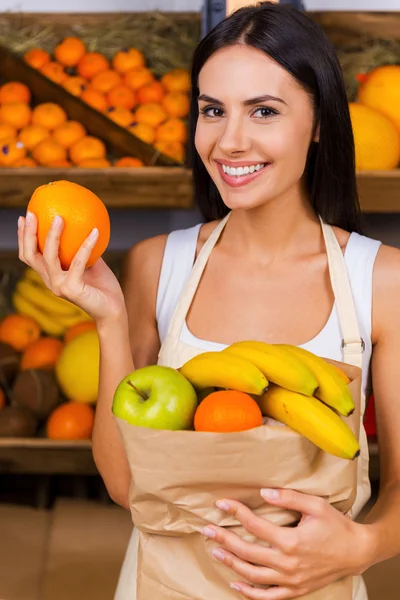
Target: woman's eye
{"x":264,"y":112}
{"x":212,"y":111}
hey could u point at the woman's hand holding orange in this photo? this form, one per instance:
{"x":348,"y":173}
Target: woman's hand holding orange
{"x":95,"y":289}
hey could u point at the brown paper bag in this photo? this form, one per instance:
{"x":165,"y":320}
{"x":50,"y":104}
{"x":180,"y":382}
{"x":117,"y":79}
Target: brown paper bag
{"x":177,"y":476}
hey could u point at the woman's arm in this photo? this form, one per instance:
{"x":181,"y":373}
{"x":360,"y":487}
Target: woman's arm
{"x":127,"y":342}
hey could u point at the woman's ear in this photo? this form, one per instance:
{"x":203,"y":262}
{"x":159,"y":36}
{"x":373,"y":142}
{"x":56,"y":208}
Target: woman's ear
{"x":316,"y":134}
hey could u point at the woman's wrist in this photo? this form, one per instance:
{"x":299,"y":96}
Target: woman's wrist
{"x":368,"y":544}
{"x":112,"y":323}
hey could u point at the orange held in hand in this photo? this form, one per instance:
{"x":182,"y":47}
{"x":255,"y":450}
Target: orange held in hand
{"x":81,"y":210}
{"x":227,"y":411}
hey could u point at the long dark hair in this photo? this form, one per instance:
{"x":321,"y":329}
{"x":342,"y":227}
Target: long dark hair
{"x":300,"y":46}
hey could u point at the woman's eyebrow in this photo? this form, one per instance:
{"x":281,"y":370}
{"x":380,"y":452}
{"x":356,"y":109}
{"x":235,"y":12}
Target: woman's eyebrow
{"x":250,"y":102}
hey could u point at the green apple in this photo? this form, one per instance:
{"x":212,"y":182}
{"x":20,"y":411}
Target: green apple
{"x":156,"y":397}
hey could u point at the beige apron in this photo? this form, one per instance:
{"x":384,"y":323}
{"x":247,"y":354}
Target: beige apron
{"x":174,"y":353}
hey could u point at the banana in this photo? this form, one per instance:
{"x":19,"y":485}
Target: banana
{"x":278,"y":368}
{"x":45,"y":322}
{"x":332,"y":388}
{"x":31,"y":275}
{"x":44,"y":299}
{"x":223,"y":370}
{"x":312,"y":419}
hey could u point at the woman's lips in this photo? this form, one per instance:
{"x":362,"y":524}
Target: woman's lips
{"x":240,"y":180}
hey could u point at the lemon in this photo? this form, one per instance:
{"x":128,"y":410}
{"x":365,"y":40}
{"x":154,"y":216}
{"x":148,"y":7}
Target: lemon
{"x":77,"y":369}
{"x":381,"y":91}
{"x":376,"y":138}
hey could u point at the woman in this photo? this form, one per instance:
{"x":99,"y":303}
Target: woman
{"x":272,"y":152}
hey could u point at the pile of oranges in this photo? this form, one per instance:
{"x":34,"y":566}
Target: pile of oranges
{"x":43,"y":135}
{"x":124,"y":89}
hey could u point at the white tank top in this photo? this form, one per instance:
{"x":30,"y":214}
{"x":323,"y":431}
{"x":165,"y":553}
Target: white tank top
{"x":360,"y":255}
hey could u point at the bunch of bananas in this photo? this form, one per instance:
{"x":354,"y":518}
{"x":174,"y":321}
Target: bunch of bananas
{"x":291,"y":385}
{"x":54,"y":315}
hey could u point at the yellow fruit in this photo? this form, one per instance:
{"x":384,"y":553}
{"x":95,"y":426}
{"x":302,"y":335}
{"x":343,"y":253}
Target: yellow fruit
{"x":218,"y":369}
{"x":312,"y":419}
{"x":380,"y":90}
{"x":46,"y":322}
{"x":376,"y":138}
{"x":77,"y":368}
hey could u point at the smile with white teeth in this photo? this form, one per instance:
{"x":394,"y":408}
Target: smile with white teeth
{"x":240,"y":171}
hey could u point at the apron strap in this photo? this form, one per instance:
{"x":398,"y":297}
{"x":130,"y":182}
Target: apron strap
{"x":190,"y":288}
{"x":353,"y":345}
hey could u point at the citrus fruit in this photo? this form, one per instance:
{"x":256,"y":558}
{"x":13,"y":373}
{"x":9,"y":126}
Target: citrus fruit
{"x":177,"y":80}
{"x":33,"y":134}
{"x":121,"y":95}
{"x":11,"y":151}
{"x":172,"y":130}
{"x":42,"y":354}
{"x":36,"y":58}
{"x":91,"y":64}
{"x":105,"y":81}
{"x":376,"y":138}
{"x":176,"y":104}
{"x":121,"y":116}
{"x":174,"y":150}
{"x":94,"y":163}
{"x":380,"y":90}
{"x":129,"y":161}
{"x":68,"y":133}
{"x":143,"y":131}
{"x":48,"y":151}
{"x":25,"y":161}
{"x":127,"y":59}
{"x":54,"y":71}
{"x":152,"y":114}
{"x":75,"y":85}
{"x":151,"y":92}
{"x":70,"y":51}
{"x":19,"y":331}
{"x":7,"y":131}
{"x":49,"y":115}
{"x":137,"y":78}
{"x":78,"y":329}
{"x":95,"y":99}
{"x":227,"y":411}
{"x":70,"y":421}
{"x":77,"y":369}
{"x":62,"y":162}
{"x":87,"y":147}
{"x":16,"y":114}
{"x":14,"y":91}
{"x":81,"y":211}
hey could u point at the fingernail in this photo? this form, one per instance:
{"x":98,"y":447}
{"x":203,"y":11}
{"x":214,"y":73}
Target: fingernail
{"x":223,"y":505}
{"x":270,"y":494}
{"x":220,"y":554}
{"x":29,"y":217}
{"x":94,"y":234}
{"x":234,"y":586}
{"x":56,"y":221}
{"x":208,"y":532}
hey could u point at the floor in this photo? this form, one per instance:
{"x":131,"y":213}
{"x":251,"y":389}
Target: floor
{"x":74,"y":552}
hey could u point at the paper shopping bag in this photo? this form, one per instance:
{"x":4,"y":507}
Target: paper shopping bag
{"x":177,"y":476}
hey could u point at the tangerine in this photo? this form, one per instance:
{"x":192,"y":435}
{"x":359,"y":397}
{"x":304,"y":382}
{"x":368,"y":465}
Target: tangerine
{"x":68,"y":133}
{"x":121,"y":95}
{"x":227,"y":411}
{"x":152,"y":114}
{"x":95,"y":99}
{"x":70,"y":421}
{"x":61,"y":163}
{"x":81,"y":210}
{"x":42,"y":354}
{"x":16,"y":114}
{"x":172,"y":130}
{"x":137,"y":78}
{"x":174,"y":150}
{"x":19,"y":331}
{"x":11,"y":151}
{"x":87,"y":147}
{"x":78,"y":329}
{"x":177,"y":80}
{"x":70,"y":51}
{"x":75,"y":85}
{"x":7,"y":131}
{"x":151,"y":92}
{"x":54,"y":71}
{"x":49,"y":115}
{"x":105,"y":81}
{"x":91,"y":64}
{"x":33,"y":134}
{"x":14,"y":91}
{"x":94,"y":163}
{"x":144,"y":132}
{"x":129,"y":161}
{"x":128,"y":59}
{"x":48,"y":151}
{"x":176,"y":104}
{"x":121,"y":116}
{"x":25,"y":161}
{"x":36,"y":58}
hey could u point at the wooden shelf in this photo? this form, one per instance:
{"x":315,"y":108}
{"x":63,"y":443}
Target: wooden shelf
{"x":167,"y":187}
{"x":147,"y":187}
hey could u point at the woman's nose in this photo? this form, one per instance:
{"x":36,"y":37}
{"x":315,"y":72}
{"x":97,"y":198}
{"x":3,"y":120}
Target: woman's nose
{"x":234,"y":137}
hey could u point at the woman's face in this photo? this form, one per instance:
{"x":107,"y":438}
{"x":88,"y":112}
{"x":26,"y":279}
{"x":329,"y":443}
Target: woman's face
{"x":254,"y":128}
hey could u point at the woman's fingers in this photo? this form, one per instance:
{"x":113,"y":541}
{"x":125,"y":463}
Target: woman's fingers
{"x":78,"y":265}
{"x":29,"y":252}
{"x":50,"y":254}
{"x":21,"y":226}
